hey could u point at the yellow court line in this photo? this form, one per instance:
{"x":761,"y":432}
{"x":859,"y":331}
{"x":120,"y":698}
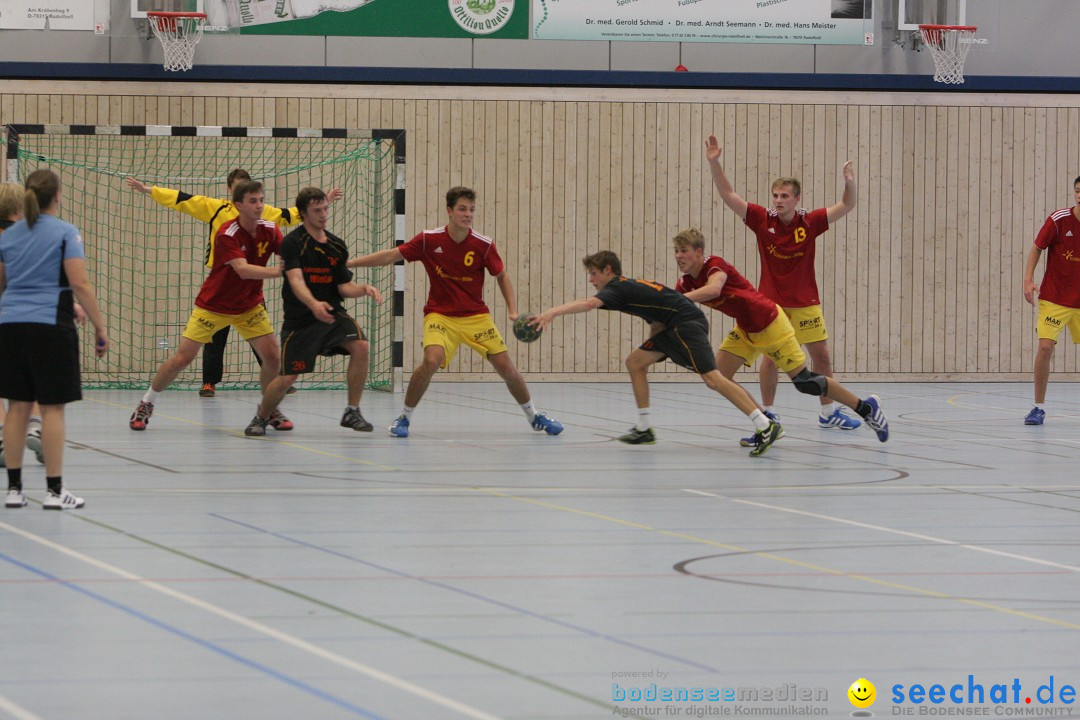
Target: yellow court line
{"x":789,"y":561}
{"x":236,"y":433}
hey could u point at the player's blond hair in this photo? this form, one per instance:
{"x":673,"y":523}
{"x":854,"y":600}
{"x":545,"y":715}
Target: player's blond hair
{"x":691,"y":237}
{"x":11,"y":200}
{"x":796,"y":186}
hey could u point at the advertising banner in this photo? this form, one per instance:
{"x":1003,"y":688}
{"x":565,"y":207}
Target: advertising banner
{"x":69,"y":15}
{"x":824,"y":22}
{"x":372,"y":18}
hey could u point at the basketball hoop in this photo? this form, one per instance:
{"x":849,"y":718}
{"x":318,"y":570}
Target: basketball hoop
{"x":949,"y":44}
{"x":178,"y":32}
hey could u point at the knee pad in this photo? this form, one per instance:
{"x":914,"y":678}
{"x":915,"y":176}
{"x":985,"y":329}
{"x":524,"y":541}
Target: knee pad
{"x":811,"y":383}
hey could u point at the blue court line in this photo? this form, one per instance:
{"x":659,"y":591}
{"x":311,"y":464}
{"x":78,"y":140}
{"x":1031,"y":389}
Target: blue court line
{"x":277,"y":675}
{"x":475,"y":596}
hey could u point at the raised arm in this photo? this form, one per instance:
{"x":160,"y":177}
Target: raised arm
{"x":507,"y":290}
{"x":1030,"y":290}
{"x":720,"y":180}
{"x":376,"y":259}
{"x":79,"y":280}
{"x":543,"y":320}
{"x":849,"y":198}
{"x":199,"y":207}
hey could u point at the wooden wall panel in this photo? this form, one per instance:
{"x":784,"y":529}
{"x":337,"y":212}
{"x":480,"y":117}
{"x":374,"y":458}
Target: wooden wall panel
{"x":922,"y":281}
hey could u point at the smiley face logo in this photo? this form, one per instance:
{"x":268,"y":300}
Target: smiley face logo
{"x":862,"y":693}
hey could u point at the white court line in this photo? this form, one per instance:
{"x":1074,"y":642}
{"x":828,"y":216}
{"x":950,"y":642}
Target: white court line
{"x":16,"y":711}
{"x":258,"y":627}
{"x":905,"y":533}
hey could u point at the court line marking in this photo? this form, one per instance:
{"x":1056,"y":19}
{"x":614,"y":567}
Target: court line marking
{"x":345,"y":612}
{"x":781,"y":558}
{"x":894,"y":531}
{"x":193,"y":638}
{"x":919,"y":536}
{"x":17,"y":711}
{"x":240,"y":434}
{"x":255,"y":626}
{"x":443,"y":585}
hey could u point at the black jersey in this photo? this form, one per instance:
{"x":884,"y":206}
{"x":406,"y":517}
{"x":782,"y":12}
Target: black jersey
{"x":649,"y":300}
{"x":324,"y":269}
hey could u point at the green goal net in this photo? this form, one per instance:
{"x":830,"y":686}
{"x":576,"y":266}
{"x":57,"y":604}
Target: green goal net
{"x":146,"y":260}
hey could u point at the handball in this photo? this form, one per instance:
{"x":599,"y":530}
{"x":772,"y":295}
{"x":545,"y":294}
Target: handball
{"x":525,"y":332}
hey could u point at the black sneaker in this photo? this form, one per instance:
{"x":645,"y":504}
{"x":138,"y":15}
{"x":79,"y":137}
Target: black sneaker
{"x":638,"y":437}
{"x":765,"y":438}
{"x":353,"y":419}
{"x":257,"y":426}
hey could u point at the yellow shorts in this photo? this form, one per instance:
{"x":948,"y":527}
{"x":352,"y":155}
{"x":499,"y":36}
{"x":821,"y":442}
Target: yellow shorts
{"x":1053,"y":318}
{"x":202,"y":324}
{"x":476,"y":331}
{"x":809,"y":323}
{"x":777,"y":341}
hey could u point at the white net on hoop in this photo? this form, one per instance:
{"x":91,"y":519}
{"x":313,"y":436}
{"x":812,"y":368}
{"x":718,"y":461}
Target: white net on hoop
{"x":179,"y":34}
{"x":949,"y":45}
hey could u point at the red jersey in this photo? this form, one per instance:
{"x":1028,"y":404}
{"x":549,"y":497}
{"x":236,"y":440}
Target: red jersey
{"x":1060,"y":235}
{"x":224,"y":291}
{"x":455,"y":270}
{"x":752,"y":311}
{"x":787,"y":254}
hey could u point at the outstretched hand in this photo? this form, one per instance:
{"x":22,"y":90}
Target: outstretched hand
{"x":334,"y":195}
{"x":849,"y":171}
{"x":712,"y":149}
{"x":137,"y":186}
{"x":374,"y":293}
{"x":542,"y":321}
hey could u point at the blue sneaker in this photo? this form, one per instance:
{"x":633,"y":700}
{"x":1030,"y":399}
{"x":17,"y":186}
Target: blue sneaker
{"x":876,"y":419}
{"x":1035,"y":417}
{"x":838,"y":420}
{"x":549,"y":425}
{"x":753,"y":440}
{"x":400,"y":427}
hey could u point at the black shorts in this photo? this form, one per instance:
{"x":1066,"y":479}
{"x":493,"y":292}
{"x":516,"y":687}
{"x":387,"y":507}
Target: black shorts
{"x":300,"y":346}
{"x":686,"y":344}
{"x":39,"y":362}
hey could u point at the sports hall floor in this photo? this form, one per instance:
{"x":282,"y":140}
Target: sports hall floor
{"x":480,"y":570}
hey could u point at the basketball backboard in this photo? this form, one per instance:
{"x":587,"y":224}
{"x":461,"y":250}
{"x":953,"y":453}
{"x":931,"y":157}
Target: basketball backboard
{"x":139,"y":8}
{"x":913,"y":13}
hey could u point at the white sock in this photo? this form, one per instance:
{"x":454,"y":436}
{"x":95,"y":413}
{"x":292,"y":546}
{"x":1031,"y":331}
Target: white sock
{"x":407,"y":411}
{"x":34,"y":420}
{"x":150,"y":396}
{"x":827,"y":410}
{"x":760,"y":421}
{"x":770,"y":408}
{"x":1041,"y":406}
{"x":644,"y":419}
{"x":353,"y":407}
{"x":530,"y":410}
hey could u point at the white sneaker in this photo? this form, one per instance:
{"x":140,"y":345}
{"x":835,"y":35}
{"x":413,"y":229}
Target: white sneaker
{"x":33,"y":441}
{"x":63,"y":501}
{"x":15,"y":499}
